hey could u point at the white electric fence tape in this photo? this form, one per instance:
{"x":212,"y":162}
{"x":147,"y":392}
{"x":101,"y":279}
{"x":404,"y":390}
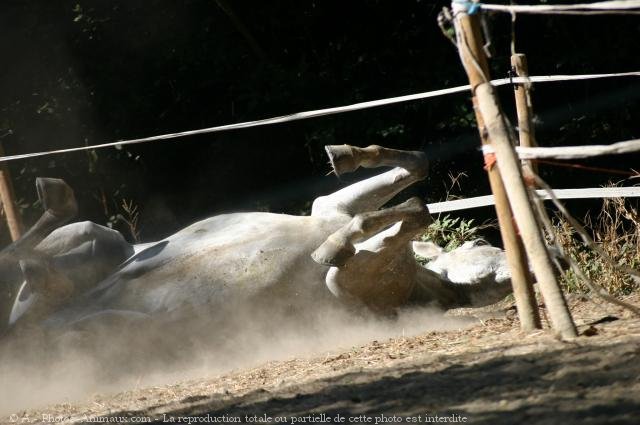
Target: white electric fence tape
{"x":573,"y":152}
{"x":483,"y":201}
{"x":603,"y":7}
{"x":321,"y":112}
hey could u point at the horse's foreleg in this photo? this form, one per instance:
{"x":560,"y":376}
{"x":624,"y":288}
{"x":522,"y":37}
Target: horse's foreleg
{"x":372,"y":193}
{"x":339,"y":246}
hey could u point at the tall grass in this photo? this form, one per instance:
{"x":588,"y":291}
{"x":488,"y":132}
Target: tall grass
{"x":616,"y":229}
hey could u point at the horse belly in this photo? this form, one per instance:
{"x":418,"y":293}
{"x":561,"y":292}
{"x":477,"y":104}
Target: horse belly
{"x":248,"y":261}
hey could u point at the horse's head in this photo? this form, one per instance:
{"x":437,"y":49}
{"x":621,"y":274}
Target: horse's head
{"x":471,"y":262}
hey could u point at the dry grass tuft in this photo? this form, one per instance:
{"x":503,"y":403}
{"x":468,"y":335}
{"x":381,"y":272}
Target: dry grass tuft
{"x":616,"y":230}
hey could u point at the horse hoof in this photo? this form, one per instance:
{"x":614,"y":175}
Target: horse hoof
{"x":57,"y":197}
{"x":333,"y":253}
{"x":342,"y":159}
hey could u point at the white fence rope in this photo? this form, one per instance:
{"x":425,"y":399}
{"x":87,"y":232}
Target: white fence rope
{"x":573,"y":152}
{"x":603,"y":7}
{"x":483,"y":201}
{"x":321,"y":112}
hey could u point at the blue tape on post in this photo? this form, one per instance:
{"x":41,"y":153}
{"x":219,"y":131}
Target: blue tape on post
{"x":471,"y":7}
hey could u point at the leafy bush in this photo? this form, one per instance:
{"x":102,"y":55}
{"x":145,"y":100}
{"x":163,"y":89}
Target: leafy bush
{"x":450,"y":233}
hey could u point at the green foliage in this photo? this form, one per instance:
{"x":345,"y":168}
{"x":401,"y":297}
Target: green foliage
{"x":450,"y":233}
{"x":394,"y":130}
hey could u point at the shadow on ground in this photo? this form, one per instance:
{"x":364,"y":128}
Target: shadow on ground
{"x":578,"y":383}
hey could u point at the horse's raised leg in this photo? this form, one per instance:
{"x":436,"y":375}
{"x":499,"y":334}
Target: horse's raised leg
{"x":374,"y":192}
{"x":370,"y":256}
{"x":340,"y":245}
{"x":381,"y":274}
{"x":59,"y":205}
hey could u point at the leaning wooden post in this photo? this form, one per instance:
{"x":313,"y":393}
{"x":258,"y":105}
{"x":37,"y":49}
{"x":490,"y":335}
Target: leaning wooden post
{"x":524,"y":109}
{"x":14,"y":221}
{"x":520,"y":277}
{"x":474,"y":60}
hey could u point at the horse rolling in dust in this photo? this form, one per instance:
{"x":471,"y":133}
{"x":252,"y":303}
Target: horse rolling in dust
{"x":348,"y":253}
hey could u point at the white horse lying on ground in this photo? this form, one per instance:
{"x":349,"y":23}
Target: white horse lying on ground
{"x":348,"y":252}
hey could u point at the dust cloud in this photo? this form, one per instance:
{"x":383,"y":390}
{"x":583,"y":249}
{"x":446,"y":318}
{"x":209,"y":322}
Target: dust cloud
{"x":38,"y":369}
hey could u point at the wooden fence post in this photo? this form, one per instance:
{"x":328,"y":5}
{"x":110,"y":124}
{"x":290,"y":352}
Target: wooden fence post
{"x":12,"y":215}
{"x":474,"y":60}
{"x":524,"y":109}
{"x":520,"y":277}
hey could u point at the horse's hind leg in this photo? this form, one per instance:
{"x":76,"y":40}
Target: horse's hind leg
{"x":60,"y":206}
{"x":374,"y":192}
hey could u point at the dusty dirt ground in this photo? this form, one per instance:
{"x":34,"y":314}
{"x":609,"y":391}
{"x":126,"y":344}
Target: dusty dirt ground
{"x":488,"y":373}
